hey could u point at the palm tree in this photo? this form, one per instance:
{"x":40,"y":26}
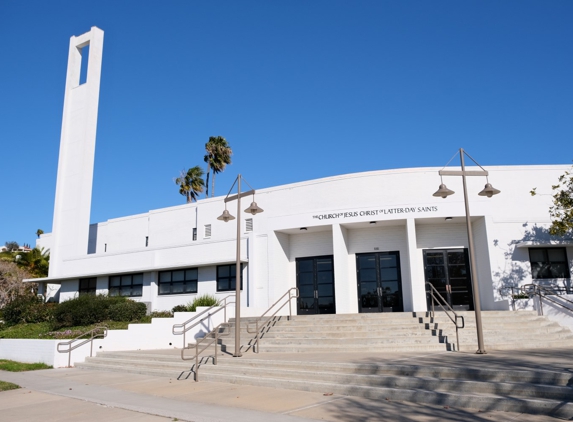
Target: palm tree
{"x":39,"y":232}
{"x":218,"y":156}
{"x":37,"y":261}
{"x":191,"y":183}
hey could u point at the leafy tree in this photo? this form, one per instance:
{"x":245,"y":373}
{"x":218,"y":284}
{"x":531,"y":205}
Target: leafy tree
{"x":39,"y":232}
{"x":561,"y":212}
{"x":12,"y":246}
{"x":191,"y":183}
{"x":218,"y":156}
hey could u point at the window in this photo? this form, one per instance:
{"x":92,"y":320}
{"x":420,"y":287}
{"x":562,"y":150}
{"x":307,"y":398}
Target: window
{"x":249,"y":224}
{"x":226,"y":277}
{"x":126,"y":285}
{"x":178,"y":281}
{"x":87,"y":286}
{"x":207,"y":230}
{"x":194,"y":233}
{"x":548,"y":263}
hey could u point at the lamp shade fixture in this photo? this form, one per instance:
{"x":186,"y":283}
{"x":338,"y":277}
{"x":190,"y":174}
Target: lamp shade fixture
{"x":254,"y":209}
{"x":443,"y":191}
{"x":226,"y":216}
{"x":489,"y":191}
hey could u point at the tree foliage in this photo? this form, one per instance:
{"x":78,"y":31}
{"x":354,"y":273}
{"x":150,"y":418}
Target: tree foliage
{"x":191,"y":183}
{"x":561,"y":212}
{"x":218,"y":156}
{"x":12,"y":246}
{"x":37,"y":261}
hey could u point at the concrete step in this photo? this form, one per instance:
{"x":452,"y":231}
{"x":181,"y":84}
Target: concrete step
{"x":461,"y":400}
{"x":534,"y":392}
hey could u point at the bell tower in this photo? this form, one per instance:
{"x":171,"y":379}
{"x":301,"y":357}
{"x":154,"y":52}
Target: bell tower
{"x":70,"y":228}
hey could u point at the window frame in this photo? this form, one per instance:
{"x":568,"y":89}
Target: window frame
{"x":88,"y":289}
{"x":113,"y":289}
{"x":184,"y":281}
{"x":546,"y":265}
{"x":230,"y":277}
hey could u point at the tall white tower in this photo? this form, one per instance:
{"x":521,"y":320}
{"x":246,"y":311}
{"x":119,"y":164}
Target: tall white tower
{"x":70,"y":228}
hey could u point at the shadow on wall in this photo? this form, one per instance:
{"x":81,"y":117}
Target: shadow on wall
{"x":517,"y":269}
{"x":92,"y":239}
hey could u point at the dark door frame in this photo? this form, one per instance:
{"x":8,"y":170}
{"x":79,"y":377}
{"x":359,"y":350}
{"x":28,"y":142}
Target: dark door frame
{"x":316,"y":307}
{"x":445,"y":289}
{"x":380,"y":295}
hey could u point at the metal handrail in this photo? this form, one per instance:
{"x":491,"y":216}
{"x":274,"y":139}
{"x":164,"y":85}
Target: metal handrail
{"x":546,"y":292}
{"x":215,"y":339}
{"x":436,"y":296}
{"x":514,"y":293}
{"x":98,"y":332}
{"x":184,"y":326}
{"x":269,"y":317}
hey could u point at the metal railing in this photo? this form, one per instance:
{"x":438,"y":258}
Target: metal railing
{"x":545,"y":292}
{"x":211,"y":337}
{"x":260,"y":326}
{"x":442,"y":303}
{"x":181,"y":329}
{"x":98,"y":332}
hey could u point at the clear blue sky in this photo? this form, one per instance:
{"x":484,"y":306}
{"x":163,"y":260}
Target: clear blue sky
{"x":300,"y":89}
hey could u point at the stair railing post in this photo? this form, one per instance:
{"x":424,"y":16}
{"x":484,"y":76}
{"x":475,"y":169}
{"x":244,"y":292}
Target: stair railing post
{"x":540,"y":299}
{"x":197,"y":362}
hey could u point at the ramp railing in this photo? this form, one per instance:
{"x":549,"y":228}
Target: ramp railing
{"x":184,"y":327}
{"x":548,"y":293}
{"x":98,"y":332}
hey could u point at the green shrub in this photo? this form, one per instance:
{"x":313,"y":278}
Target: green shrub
{"x":128,"y":310}
{"x":161,"y":314}
{"x":205,"y":300}
{"x":93,"y":309}
{"x":27,"y":309}
{"x":179,"y":308}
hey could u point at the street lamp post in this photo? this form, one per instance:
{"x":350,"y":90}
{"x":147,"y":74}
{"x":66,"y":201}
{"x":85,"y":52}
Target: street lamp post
{"x":488,"y":191}
{"x":226,"y":217}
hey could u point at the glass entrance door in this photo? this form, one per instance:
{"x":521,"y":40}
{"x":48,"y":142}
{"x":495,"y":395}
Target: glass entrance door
{"x":315,"y":282}
{"x":379,"y":282}
{"x":449,"y":272}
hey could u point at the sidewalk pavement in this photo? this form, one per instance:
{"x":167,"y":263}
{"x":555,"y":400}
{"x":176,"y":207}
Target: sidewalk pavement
{"x":82,"y":395}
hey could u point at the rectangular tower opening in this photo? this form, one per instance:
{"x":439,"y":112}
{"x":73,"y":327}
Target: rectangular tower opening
{"x":85,"y":53}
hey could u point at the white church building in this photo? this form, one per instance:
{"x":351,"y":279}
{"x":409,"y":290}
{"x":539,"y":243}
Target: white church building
{"x":363,"y":242}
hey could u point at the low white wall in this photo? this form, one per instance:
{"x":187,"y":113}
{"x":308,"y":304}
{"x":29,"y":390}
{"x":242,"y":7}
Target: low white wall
{"x":555,"y":312}
{"x":157,"y":335}
{"x":33,"y":351}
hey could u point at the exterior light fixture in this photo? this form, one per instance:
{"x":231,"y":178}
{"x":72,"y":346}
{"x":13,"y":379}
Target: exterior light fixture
{"x":226,"y":217}
{"x":449,"y":218}
{"x":488,"y":191}
{"x":254,"y":209}
{"x":303,"y":229}
{"x":372,"y":222}
{"x":443,"y":191}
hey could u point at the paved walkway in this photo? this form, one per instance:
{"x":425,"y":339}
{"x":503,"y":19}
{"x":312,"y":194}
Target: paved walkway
{"x":81,"y":395}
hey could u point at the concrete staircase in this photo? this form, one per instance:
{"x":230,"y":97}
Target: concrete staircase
{"x":349,"y":336}
{"x":503,"y":330}
{"x":401,"y":332}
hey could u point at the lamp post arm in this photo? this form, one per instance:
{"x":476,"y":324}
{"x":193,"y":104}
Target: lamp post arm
{"x":239,"y":195}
